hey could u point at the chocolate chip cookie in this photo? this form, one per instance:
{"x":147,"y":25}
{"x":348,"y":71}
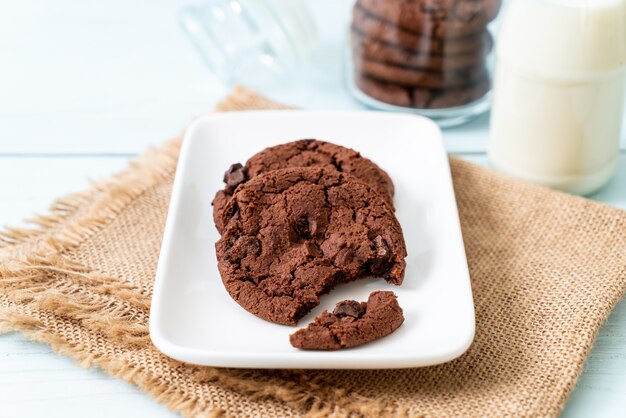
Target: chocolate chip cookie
{"x":445,"y":98}
{"x":376,"y":50}
{"x":365,"y":24}
{"x":302,"y":153}
{"x":420,"y":98}
{"x":351,"y":323}
{"x":416,"y":77}
{"x":293,"y":234}
{"x":435,"y":18}
{"x":384,"y":91}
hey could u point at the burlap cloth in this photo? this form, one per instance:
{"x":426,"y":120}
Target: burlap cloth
{"x":546,"y":270}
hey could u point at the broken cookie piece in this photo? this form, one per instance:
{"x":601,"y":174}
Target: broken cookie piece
{"x":351,"y":323}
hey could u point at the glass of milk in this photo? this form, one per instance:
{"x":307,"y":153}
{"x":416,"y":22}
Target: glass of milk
{"x":559,"y":92}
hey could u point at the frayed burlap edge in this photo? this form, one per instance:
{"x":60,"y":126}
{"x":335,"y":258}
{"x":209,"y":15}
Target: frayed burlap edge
{"x":313,"y":397}
{"x":31,"y":257}
{"x":334,"y":403}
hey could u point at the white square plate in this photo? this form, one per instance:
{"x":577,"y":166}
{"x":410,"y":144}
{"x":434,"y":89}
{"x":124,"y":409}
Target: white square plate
{"x":193,"y":319}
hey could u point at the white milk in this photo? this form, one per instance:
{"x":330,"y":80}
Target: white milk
{"x":559,"y":92}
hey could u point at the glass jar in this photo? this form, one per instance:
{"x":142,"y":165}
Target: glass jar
{"x":251,"y":42}
{"x":431,"y":57}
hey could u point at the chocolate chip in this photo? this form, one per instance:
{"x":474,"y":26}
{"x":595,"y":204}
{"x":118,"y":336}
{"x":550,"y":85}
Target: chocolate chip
{"x":301,"y":227}
{"x":233,"y":177}
{"x":340,"y":277}
{"x":349,"y":308}
{"x":381,"y":263}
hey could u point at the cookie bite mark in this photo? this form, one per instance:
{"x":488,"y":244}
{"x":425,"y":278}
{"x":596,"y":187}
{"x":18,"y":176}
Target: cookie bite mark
{"x":351,"y":323}
{"x":292,"y":235}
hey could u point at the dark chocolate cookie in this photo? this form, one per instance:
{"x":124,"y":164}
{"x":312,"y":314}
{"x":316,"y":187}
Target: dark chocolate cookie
{"x":444,"y":98}
{"x":351,"y":323}
{"x":415,"y":77}
{"x":293,"y":234}
{"x":391,"y":54}
{"x":420,"y":98}
{"x":435,"y":18}
{"x":368,"y":25}
{"x":383,"y":91}
{"x":303,"y":153}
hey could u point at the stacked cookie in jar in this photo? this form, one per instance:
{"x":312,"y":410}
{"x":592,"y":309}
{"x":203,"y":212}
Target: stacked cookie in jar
{"x":429,"y":56}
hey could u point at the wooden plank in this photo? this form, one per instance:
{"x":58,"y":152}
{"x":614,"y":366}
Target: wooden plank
{"x":93,"y":76}
{"x":45,"y":384}
{"x":29,"y":185}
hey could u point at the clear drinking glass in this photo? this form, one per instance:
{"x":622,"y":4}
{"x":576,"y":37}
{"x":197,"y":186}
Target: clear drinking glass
{"x":431,"y":57}
{"x":558,"y":104}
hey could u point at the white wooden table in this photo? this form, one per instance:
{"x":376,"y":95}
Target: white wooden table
{"x":86,"y":85}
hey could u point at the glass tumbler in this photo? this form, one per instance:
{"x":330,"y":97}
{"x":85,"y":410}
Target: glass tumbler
{"x":558,"y":103}
{"x":431,"y":57}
